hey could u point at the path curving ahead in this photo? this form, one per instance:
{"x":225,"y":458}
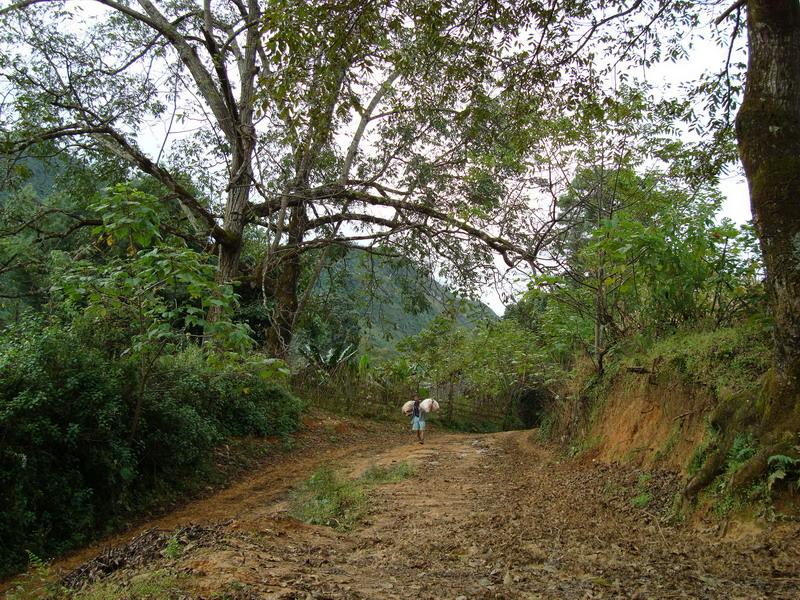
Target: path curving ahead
{"x":486,"y":516}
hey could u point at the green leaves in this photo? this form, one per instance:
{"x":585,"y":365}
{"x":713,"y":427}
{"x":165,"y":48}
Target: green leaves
{"x":329,"y":359}
{"x":782,"y":468}
{"x":492,"y":360}
{"x":643,"y":253}
{"x":163,"y":292}
{"x":160,"y":289}
{"x":131,"y":218}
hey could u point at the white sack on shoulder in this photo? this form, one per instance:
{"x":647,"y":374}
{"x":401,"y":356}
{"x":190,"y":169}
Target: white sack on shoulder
{"x":429,"y":405}
{"x":408,"y":407}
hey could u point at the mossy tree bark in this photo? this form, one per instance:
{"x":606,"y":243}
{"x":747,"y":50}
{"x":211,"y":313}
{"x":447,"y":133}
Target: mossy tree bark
{"x":768,"y":132}
{"x":285,"y":293}
{"x":235,"y":220}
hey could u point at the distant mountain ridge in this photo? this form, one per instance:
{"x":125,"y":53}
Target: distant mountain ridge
{"x":394,"y":300}
{"x":39,"y":174}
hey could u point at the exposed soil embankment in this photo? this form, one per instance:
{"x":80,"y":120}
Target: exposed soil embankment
{"x":651,"y":420}
{"x":485,"y":516}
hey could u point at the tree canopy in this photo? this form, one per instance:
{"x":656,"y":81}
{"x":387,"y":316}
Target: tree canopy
{"x":444,"y":131}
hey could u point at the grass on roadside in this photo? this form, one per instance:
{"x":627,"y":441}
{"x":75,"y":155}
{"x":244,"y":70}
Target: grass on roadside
{"x":326,"y":499}
{"x":376,"y":475}
{"x":644,"y":495}
{"x":158,"y":585}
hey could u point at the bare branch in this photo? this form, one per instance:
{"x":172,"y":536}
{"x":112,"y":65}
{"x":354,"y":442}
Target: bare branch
{"x":729,"y":11}
{"x":362,"y":125}
{"x":22,"y":4}
{"x":205,"y":83}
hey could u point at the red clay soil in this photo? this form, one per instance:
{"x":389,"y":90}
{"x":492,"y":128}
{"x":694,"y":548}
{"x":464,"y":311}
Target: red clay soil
{"x":485,"y":516}
{"x":650,"y":422}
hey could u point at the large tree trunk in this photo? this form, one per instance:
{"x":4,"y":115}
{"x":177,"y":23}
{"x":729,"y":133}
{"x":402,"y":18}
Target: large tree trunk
{"x":768,"y":131}
{"x":279,"y":334}
{"x":234,"y":223}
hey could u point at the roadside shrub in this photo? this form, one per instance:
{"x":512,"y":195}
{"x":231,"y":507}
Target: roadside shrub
{"x":235,"y":396}
{"x":190,"y":407}
{"x":68,"y":466}
{"x":173,"y":436}
{"x":62,"y":455}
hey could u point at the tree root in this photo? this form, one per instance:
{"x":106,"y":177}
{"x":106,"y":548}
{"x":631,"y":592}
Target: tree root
{"x":713,"y":466}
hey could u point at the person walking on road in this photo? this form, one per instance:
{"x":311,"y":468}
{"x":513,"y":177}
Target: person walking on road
{"x":418,"y":420}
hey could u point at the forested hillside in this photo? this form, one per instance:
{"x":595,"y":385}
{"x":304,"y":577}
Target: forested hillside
{"x":387,"y":300}
{"x":222,"y":220}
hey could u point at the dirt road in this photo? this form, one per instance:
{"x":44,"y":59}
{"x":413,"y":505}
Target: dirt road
{"x":485,"y":516}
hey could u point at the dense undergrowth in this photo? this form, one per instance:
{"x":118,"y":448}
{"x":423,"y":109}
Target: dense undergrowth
{"x":72,"y":467}
{"x":727,"y":361}
{"x":379,"y":391}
